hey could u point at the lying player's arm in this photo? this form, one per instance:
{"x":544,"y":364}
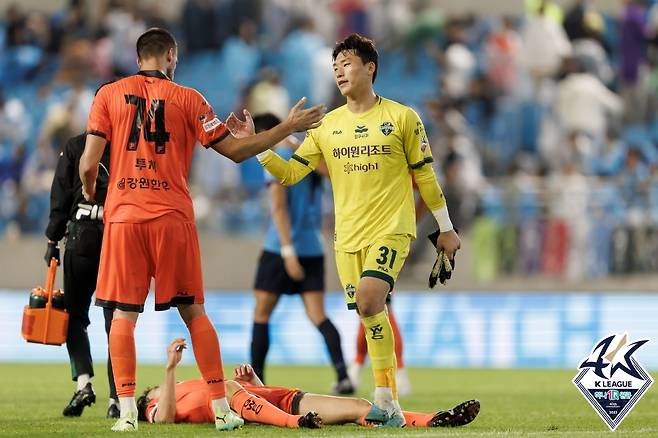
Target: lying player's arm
{"x":239,"y":147}
{"x":166,"y":412}
{"x":94,"y":148}
{"x":246,"y":373}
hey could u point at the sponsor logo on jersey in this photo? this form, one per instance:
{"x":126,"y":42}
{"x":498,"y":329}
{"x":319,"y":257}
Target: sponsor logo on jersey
{"x":337,"y":132}
{"x":360,"y":131}
{"x":212,"y":124}
{"x":357,"y":167}
{"x":424,"y":143}
{"x":611,"y":379}
{"x":361,"y":151}
{"x":386,"y":128}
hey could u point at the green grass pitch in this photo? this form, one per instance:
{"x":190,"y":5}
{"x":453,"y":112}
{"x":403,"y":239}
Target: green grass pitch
{"x":515,"y":403}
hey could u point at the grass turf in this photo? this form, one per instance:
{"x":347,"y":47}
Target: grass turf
{"x":535,"y":403}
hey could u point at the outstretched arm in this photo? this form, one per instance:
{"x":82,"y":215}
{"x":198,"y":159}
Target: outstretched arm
{"x":243,"y":143}
{"x":166,"y":412}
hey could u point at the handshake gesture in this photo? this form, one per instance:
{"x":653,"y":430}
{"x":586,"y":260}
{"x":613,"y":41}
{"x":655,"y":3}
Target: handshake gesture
{"x":299,"y":119}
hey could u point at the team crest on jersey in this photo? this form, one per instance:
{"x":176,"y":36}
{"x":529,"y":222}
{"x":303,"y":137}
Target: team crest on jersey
{"x":350,"y":290}
{"x":386,"y":128}
{"x":611,"y":379}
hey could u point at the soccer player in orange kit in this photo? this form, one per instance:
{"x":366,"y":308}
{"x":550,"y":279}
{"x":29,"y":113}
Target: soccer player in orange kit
{"x":153,"y":125}
{"x":189,"y":402}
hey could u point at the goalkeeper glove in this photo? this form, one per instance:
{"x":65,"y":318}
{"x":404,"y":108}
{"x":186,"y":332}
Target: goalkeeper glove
{"x":52,"y":251}
{"x":443,"y":266}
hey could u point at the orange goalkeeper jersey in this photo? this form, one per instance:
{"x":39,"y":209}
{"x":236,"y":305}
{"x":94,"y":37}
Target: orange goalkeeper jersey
{"x":153,"y":125}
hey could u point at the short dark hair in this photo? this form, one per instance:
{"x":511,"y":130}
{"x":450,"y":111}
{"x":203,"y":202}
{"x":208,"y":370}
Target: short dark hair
{"x":265,"y":121}
{"x":155,"y":42}
{"x":362,"y":47}
{"x":142,"y":404}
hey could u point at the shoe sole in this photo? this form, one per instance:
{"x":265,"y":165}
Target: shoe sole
{"x":460,"y":415}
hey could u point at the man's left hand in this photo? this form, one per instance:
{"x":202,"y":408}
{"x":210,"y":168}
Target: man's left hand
{"x":241,"y":128}
{"x":449,"y":242}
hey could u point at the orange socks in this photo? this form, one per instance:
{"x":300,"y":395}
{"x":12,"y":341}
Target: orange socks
{"x":124,"y":356}
{"x":258,"y":410}
{"x":416,"y":419}
{"x":208,"y":357}
{"x":362,"y":346}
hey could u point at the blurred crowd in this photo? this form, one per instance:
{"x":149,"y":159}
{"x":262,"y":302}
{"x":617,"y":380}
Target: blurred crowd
{"x":542,"y":121}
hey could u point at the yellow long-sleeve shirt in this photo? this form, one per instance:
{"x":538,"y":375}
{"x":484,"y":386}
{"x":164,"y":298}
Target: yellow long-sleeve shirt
{"x":371,"y":157}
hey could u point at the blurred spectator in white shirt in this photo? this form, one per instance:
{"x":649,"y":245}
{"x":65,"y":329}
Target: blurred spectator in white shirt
{"x":583,"y":102}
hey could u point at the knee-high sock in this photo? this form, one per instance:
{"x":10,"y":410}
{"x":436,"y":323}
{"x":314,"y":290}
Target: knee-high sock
{"x":399,"y":346}
{"x":417,"y":419}
{"x":107,"y":314}
{"x":361,"y":346}
{"x":260,"y":344}
{"x":258,"y":410}
{"x":332,"y":339}
{"x":381,"y":347}
{"x":208,"y":357}
{"x":124,"y":356}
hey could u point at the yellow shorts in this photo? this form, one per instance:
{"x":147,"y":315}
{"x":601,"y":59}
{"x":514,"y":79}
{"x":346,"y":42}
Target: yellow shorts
{"x":383,"y":259}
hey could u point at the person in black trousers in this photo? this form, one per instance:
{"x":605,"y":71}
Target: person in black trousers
{"x":82,"y":224}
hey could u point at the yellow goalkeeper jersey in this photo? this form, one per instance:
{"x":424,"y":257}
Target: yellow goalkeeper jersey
{"x":370,"y":157}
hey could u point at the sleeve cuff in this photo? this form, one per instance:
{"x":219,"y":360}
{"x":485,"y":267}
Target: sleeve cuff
{"x":263,"y":155}
{"x":443,"y":219}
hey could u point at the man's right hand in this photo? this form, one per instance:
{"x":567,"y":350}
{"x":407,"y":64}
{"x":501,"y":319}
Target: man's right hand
{"x":175,"y":352}
{"x":52,"y":250}
{"x":300,"y":119}
{"x":90,"y":193}
{"x":293,"y":268}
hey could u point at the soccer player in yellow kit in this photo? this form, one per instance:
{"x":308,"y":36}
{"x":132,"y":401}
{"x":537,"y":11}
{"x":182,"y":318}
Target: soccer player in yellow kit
{"x":372,"y":146}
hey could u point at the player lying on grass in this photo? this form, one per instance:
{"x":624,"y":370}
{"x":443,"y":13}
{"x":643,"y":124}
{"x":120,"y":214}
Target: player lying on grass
{"x":189,"y":402}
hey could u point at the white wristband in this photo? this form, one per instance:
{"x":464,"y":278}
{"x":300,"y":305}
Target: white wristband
{"x":261,"y":157}
{"x":443,"y":219}
{"x":288,"y":251}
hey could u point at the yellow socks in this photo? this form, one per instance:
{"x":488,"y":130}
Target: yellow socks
{"x":381,"y":348}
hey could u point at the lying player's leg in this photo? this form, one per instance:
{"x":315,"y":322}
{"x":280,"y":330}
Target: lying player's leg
{"x":460,"y":415}
{"x":258,"y":410}
{"x":342,"y":410}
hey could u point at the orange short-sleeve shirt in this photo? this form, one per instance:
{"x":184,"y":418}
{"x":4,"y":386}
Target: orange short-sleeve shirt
{"x":153,"y":125}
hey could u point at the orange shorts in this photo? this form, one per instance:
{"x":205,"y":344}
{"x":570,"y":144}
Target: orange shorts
{"x":165,"y":248}
{"x":286,"y":399}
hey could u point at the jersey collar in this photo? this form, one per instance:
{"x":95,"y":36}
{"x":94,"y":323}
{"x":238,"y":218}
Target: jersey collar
{"x":153,"y":74}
